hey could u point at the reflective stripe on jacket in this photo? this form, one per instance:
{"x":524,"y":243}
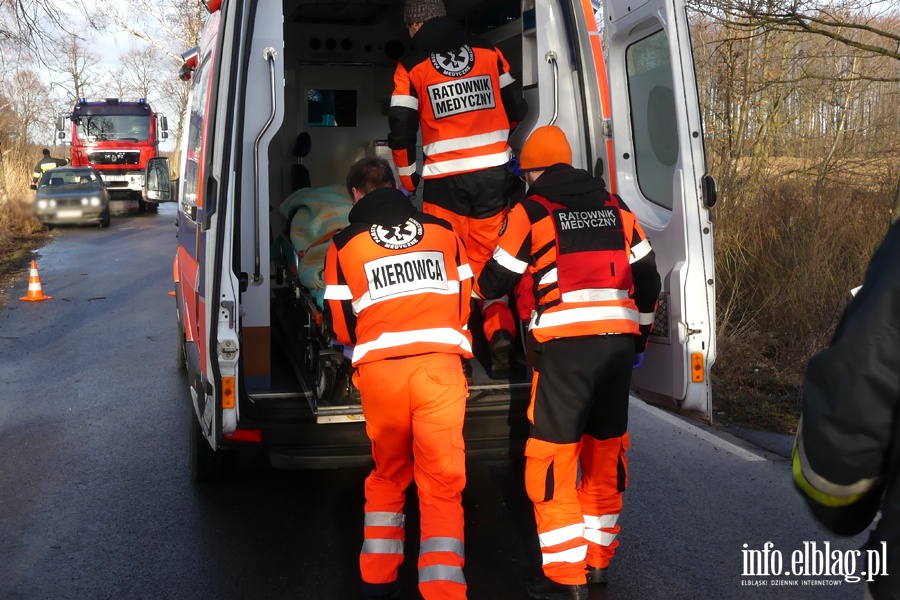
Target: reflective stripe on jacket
{"x":457,"y":88}
{"x":529,"y":242}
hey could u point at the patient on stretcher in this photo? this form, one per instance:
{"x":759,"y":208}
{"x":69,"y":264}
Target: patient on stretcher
{"x":315,"y":215}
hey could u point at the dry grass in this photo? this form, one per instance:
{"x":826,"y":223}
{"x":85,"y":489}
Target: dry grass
{"x":785,"y":263}
{"x":20,"y":234}
{"x":753,"y":391}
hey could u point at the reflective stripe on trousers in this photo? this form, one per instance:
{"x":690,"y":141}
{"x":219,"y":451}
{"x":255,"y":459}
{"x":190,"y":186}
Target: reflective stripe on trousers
{"x":382,"y":549}
{"x":440,"y":563}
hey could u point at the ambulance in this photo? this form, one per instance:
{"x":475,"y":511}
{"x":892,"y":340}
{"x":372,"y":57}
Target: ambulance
{"x":286,"y":95}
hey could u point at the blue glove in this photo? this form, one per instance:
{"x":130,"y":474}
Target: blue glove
{"x":348,"y":352}
{"x":638,"y":360}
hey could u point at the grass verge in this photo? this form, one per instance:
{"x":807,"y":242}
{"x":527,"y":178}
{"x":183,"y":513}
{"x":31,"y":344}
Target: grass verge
{"x":752,"y":390}
{"x":20,"y":235}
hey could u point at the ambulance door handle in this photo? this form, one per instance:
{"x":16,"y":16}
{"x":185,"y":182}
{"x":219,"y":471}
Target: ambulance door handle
{"x":269,"y":55}
{"x":551,"y":58}
{"x":229,"y":306}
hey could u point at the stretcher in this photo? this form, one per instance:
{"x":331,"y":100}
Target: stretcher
{"x":314,"y":216}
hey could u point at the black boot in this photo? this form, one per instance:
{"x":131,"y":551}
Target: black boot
{"x":381,"y":591}
{"x":542,"y":588}
{"x":501,"y":354}
{"x":597,"y":574}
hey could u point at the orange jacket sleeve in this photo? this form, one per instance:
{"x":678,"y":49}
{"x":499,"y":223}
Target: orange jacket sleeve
{"x":511,"y":256}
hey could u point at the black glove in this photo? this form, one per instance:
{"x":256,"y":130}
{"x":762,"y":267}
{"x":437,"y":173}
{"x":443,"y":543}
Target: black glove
{"x":640,"y":342}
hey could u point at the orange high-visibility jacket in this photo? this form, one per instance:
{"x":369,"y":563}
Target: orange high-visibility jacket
{"x":458,"y":88}
{"x":397,"y":282}
{"x":594,"y":296}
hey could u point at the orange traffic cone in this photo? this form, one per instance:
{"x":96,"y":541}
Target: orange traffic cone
{"x":34,"y":286}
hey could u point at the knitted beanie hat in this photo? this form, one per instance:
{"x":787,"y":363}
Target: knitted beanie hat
{"x":545,"y":147}
{"x":419,"y":11}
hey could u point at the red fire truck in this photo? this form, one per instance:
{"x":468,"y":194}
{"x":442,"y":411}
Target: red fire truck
{"x":117,"y":138}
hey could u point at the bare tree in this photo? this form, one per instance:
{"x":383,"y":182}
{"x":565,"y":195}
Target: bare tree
{"x":27,"y":96}
{"x":75,"y":67}
{"x":864,"y":25}
{"x":170,"y":27}
{"x":141,"y":72}
{"x":25,"y":23}
{"x":24,"y":116}
{"x":118,"y":82}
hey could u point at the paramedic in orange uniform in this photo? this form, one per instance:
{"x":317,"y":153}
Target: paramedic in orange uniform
{"x":398,"y":289}
{"x":595,"y":290}
{"x":460,"y":90}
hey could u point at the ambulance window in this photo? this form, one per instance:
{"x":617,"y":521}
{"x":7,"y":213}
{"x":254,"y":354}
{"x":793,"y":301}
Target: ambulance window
{"x":199,"y":93}
{"x":652,"y":99}
{"x":331,"y":108}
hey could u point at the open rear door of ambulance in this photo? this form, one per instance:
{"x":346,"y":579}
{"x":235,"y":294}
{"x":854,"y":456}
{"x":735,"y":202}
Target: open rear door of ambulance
{"x":660,"y":172}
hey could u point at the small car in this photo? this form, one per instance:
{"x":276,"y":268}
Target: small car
{"x":71,"y":195}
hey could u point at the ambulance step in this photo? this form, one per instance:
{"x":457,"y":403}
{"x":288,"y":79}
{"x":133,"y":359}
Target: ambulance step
{"x":349,"y":413}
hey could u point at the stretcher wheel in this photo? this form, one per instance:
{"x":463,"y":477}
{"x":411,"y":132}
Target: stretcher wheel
{"x":325,"y":380}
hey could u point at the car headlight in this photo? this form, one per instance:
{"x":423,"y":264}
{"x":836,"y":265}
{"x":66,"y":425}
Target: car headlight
{"x":95,"y":201}
{"x":84,"y":201}
{"x":52,"y":203}
{"x":42,"y":204}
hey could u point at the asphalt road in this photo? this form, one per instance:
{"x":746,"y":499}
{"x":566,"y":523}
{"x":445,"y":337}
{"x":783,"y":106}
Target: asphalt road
{"x":96,"y":500}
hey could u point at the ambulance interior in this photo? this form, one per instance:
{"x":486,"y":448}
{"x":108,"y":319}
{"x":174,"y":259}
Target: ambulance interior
{"x":339,"y":66}
{"x":339,"y":62}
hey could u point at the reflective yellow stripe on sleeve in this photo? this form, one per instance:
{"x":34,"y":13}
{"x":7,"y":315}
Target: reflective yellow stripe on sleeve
{"x":817,"y":487}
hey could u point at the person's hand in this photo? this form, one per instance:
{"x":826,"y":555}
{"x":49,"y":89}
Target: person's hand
{"x":348,"y":352}
{"x":638,"y":360}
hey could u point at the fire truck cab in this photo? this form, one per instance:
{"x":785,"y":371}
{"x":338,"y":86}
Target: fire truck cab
{"x":303,"y":86}
{"x":116,"y":137}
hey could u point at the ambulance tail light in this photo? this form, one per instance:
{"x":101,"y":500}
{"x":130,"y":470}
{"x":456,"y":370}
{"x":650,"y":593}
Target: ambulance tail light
{"x":251,"y":436}
{"x":212,"y":5}
{"x":697,"y":371}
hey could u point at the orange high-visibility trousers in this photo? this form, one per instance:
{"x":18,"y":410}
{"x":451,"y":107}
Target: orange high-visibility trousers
{"x":604,"y":474}
{"x":480,"y":238}
{"x":414,"y":409}
{"x":579,"y":412}
{"x":475,"y":206}
{"x":576,"y":526}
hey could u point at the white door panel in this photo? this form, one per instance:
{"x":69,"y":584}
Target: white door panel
{"x":659,"y":166}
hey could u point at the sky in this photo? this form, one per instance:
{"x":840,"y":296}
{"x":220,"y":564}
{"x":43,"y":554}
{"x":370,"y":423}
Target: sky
{"x":109,"y":46}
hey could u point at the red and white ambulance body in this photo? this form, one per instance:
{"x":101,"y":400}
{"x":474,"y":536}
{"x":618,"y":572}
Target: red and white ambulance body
{"x":266,"y":75}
